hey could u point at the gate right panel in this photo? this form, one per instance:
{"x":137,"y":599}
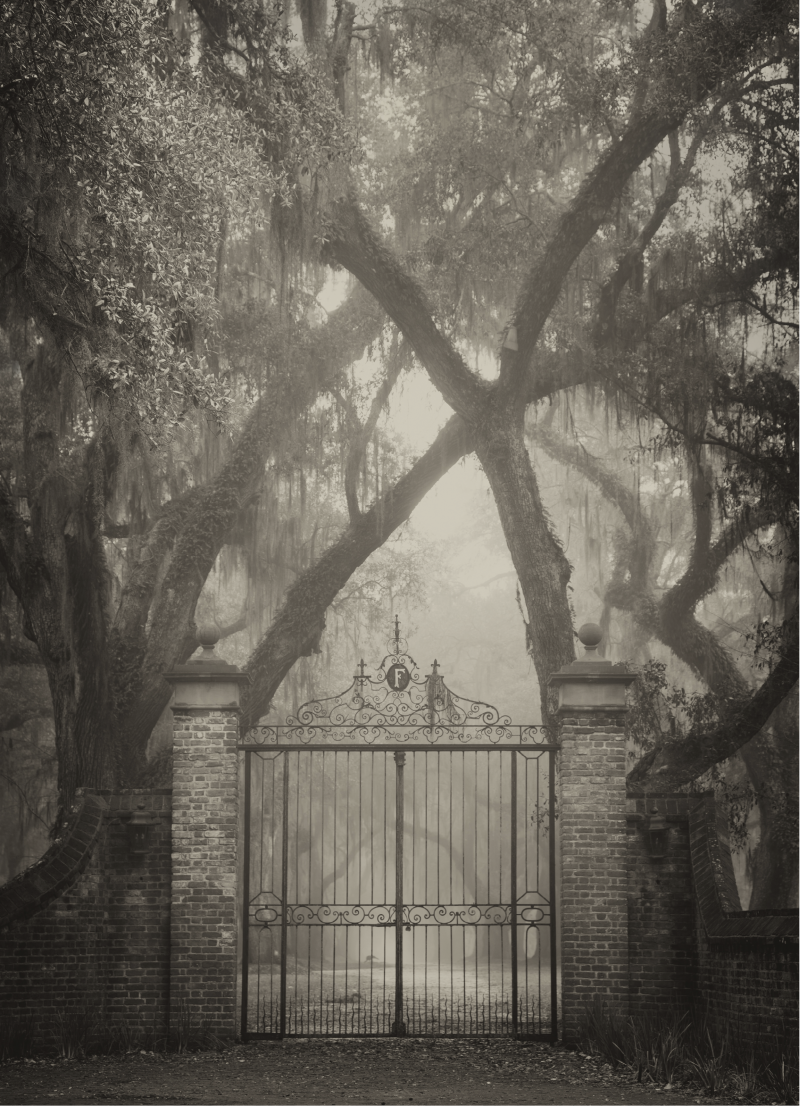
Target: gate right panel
{"x":478,"y":955}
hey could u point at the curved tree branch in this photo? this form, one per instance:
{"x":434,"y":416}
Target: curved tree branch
{"x":154,"y":627}
{"x":670,"y":618}
{"x":674,"y":763}
{"x":648,"y":127}
{"x":362,"y":435}
{"x":300,"y":621}
{"x":695,"y":581}
{"x":352,"y":243}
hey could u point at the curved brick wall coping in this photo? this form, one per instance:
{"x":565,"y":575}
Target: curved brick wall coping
{"x":715,"y":884}
{"x":60,"y":866}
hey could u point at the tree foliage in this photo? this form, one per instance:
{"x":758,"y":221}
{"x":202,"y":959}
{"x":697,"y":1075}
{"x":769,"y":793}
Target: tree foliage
{"x":528,"y":198}
{"x":634,"y":269}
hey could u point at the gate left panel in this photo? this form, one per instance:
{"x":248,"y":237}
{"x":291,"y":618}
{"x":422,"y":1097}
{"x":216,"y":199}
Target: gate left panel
{"x":319,"y":892}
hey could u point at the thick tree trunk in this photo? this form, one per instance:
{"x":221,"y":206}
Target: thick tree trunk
{"x":154,"y":626}
{"x":776,"y":876}
{"x":104,"y":671}
{"x":56,"y":564}
{"x":538,"y":556}
{"x":195,"y":549}
{"x":771,"y":761}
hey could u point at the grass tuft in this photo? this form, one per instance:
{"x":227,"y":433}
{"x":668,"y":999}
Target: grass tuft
{"x":682,"y":1047}
{"x":16,"y":1036}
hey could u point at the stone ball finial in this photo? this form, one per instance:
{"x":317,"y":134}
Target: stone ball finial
{"x":591,"y":635}
{"x":208,"y":637}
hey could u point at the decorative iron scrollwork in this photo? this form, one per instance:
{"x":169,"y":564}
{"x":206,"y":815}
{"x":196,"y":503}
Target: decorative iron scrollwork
{"x":457,"y":914}
{"x":383,"y":914}
{"x":340,"y":914}
{"x":424,"y":712}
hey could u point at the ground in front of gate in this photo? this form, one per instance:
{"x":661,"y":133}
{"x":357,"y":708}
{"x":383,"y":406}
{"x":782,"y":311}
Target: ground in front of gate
{"x":415,"y":1071}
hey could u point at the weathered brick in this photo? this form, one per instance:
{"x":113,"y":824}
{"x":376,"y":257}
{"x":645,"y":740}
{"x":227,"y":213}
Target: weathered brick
{"x":592,"y":826}
{"x":90,"y":951}
{"x":204,"y":806}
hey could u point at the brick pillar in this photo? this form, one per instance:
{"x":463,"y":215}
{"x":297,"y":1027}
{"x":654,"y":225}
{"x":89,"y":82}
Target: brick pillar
{"x":203,"y":935}
{"x":592,"y":808}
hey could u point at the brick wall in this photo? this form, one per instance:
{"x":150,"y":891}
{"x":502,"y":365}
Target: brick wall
{"x":690,"y":943}
{"x":661,"y":934}
{"x":204,"y":813}
{"x":747,"y":960}
{"x":96,"y":950}
{"x":594,"y":940}
{"x":137,"y":914}
{"x":94,"y":936}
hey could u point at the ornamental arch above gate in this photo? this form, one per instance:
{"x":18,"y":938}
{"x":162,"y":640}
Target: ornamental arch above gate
{"x":398,"y":865}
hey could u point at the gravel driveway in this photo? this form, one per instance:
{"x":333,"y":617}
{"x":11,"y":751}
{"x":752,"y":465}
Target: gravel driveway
{"x":414,"y":1071}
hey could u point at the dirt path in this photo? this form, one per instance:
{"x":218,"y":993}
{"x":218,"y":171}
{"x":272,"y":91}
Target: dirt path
{"x":415,"y":1071}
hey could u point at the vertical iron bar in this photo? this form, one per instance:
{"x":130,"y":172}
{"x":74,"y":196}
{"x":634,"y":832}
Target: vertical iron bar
{"x":551,"y":758}
{"x":450,"y":928}
{"x":499,"y":830}
{"x":307,"y":776}
{"x":475,"y":770}
{"x":539,"y":761}
{"x":371,"y":763}
{"x":514,"y":962}
{"x":347,"y":832}
{"x":309,"y":931}
{"x":262,"y":785}
{"x":322,"y":838}
{"x":439,"y":935}
{"x":273,"y":934}
{"x":464,"y":874}
{"x":335,"y":899}
{"x":532,"y":838}
{"x":347,"y":865}
{"x":284,"y":889}
{"x":399,"y":1028}
{"x":246,"y":892}
{"x":385,"y":860}
{"x":488,"y":890}
{"x":425,"y":763}
{"x":449,"y":822}
{"x":413,"y":889}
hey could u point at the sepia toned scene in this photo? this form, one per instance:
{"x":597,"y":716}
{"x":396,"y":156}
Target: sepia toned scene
{"x":398,"y":551}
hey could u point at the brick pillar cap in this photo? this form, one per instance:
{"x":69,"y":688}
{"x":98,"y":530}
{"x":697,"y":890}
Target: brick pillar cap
{"x":591,"y":684}
{"x":208,"y":665}
{"x":592,"y":669}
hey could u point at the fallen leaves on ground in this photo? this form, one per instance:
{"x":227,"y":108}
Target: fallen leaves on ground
{"x":339,"y":1071}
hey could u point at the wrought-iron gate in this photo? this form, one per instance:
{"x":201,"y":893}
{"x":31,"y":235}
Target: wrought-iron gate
{"x":399,"y":866}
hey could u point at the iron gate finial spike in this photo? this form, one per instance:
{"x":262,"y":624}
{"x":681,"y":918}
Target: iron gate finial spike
{"x":397,"y":628}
